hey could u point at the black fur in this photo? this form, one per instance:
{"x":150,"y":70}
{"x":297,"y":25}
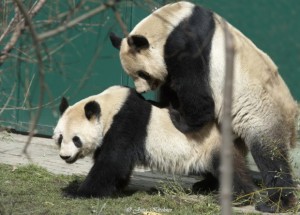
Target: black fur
{"x":168,"y":97}
{"x":115,"y":40}
{"x":275,"y":169}
{"x":60,"y":140}
{"x":138,"y":42}
{"x":92,"y":109}
{"x":209,"y":184}
{"x":63,"y":105}
{"x":123,"y":146}
{"x":77,"y":142}
{"x":243,"y":186}
{"x":187,"y":51}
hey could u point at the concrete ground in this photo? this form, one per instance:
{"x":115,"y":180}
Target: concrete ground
{"x":43,"y":152}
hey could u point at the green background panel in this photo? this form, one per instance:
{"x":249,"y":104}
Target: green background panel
{"x":83,"y":62}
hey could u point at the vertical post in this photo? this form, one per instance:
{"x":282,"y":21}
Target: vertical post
{"x":226,"y":168}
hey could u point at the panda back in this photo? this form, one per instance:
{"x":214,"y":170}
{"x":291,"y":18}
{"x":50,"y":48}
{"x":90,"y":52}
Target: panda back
{"x":169,"y":150}
{"x":163,"y":20}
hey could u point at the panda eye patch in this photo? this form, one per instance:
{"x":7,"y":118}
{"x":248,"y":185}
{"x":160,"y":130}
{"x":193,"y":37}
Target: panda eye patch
{"x":77,"y":142}
{"x":59,"y":140}
{"x":144,"y":75}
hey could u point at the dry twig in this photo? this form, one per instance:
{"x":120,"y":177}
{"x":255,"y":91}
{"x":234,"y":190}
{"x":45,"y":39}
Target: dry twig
{"x":8,"y":99}
{"x":227,"y":144}
{"x":15,"y":36}
{"x":77,"y":20}
{"x":120,"y":21}
{"x":10,"y":25}
{"x":41,"y":70}
{"x":18,"y":23}
{"x":23,"y":17}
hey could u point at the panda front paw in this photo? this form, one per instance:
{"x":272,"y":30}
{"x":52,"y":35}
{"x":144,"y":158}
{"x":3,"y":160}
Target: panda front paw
{"x":179,"y":122}
{"x":75,"y":190}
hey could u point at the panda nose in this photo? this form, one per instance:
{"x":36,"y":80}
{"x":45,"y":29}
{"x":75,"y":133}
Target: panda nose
{"x":64,"y":157}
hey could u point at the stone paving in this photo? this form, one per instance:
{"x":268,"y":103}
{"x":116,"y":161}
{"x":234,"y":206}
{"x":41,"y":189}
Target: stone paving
{"x":43,"y":152}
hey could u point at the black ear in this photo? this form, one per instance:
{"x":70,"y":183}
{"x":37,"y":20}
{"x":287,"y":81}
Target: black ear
{"x":92,"y":109}
{"x":63,"y":105}
{"x":115,"y":40}
{"x":138,"y":42}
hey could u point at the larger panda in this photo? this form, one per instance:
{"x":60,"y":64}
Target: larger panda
{"x":121,"y":130}
{"x":180,"y":48}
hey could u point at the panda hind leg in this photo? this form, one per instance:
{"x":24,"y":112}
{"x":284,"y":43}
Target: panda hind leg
{"x":243,"y":185}
{"x":273,"y":163}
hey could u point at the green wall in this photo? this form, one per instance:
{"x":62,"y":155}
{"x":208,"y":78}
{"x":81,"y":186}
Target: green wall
{"x":83,"y":62}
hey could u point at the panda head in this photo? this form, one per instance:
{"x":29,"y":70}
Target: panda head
{"x":142,"y":52}
{"x":142,"y":60}
{"x":78,"y":131}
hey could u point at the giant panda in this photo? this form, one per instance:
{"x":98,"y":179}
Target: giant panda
{"x":179,"y":48}
{"x":121,"y":130}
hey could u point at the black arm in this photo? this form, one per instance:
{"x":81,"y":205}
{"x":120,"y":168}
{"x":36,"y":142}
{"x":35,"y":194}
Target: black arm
{"x":109,"y":175}
{"x":196,"y":109}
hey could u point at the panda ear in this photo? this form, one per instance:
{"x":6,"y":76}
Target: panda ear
{"x":115,"y":40}
{"x":138,"y":42}
{"x":92,"y":109}
{"x":63,"y":105}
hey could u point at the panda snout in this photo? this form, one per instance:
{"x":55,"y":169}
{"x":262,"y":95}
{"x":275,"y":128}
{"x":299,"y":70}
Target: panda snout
{"x":64,"y":157}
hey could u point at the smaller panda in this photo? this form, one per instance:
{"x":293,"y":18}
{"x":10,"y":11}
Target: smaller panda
{"x":123,"y":130}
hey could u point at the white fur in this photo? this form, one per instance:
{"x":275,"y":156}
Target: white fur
{"x":174,"y":152}
{"x":259,"y":91}
{"x":91,"y":132}
{"x":87,"y":131}
{"x":161,"y":22}
{"x":141,"y":85}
